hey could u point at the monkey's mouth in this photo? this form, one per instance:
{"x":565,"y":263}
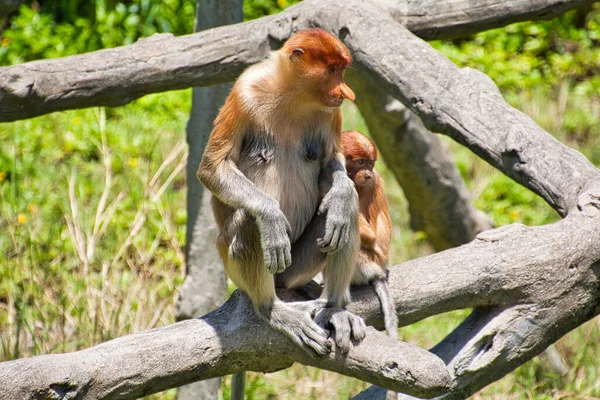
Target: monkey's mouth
{"x":335,"y":101}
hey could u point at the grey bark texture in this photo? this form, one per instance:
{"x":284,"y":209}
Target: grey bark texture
{"x":439,"y":202}
{"x":115,"y":77}
{"x":205,"y":285}
{"x":433,"y":19}
{"x":528,"y":286}
{"x":228,"y":340}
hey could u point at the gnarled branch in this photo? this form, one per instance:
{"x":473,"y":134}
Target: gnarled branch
{"x":115,"y":77}
{"x":228,"y":340}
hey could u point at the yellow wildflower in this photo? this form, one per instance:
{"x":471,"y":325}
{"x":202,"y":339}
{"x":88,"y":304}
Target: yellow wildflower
{"x":133,"y":161}
{"x":32,"y":208}
{"x":21,"y":219}
{"x":514,"y":214}
{"x":5,"y":42}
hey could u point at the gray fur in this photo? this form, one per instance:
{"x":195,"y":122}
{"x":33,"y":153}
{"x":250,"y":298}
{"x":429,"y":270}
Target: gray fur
{"x":387,"y":306}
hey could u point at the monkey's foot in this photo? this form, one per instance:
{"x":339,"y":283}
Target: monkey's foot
{"x":347,"y":327}
{"x":297,"y":324}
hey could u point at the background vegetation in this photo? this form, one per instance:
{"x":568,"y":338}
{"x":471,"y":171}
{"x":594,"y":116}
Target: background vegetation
{"x":92,"y":202}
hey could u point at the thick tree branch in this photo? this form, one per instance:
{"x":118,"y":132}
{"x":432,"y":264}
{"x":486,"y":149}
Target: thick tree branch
{"x":466,"y":105}
{"x":545,"y":277}
{"x":433,"y":19}
{"x":228,"y":340}
{"x":117,"y":76}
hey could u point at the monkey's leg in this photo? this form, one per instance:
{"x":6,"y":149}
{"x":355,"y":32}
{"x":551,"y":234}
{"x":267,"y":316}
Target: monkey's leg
{"x":239,"y":243}
{"x":337,"y":268}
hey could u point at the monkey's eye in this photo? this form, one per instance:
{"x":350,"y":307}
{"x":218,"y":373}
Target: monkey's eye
{"x":332,"y":69}
{"x":361,"y":162}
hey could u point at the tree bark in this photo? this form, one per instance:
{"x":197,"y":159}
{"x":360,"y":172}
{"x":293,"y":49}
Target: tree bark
{"x":229,"y":340}
{"x":205,"y":285}
{"x":439,"y":202}
{"x":433,"y":19}
{"x":529,"y":287}
{"x":115,"y":77}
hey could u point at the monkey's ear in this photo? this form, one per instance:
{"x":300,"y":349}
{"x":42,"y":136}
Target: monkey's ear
{"x":297,"y":52}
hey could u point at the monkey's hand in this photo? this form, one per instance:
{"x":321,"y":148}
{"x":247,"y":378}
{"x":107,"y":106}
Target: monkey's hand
{"x":341,"y":206}
{"x":274,"y":239}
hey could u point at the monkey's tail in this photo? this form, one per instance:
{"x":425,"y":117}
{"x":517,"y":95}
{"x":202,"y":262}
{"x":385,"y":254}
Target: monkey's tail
{"x":238,"y":386}
{"x":389,"y":317}
{"x":387,"y":306}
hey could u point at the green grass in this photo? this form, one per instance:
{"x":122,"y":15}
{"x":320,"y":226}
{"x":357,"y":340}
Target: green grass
{"x":92,"y":203}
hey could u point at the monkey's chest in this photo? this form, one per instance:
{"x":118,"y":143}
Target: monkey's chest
{"x":288,"y":173}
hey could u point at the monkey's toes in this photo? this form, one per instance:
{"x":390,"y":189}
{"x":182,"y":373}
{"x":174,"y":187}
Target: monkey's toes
{"x":346,"y":326}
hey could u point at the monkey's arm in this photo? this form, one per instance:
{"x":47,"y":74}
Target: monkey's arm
{"x":219,"y":173}
{"x":368,"y":237}
{"x":340,"y":203}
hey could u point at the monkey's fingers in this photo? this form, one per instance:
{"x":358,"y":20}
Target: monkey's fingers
{"x":342,"y":328}
{"x":323,"y":207}
{"x":281,"y":265}
{"x":335,"y":240}
{"x":330,"y":242}
{"x":316,"y":340}
{"x":295,"y":321}
{"x":287,"y":254}
{"x":333,"y":318}
{"x":359,"y":328}
{"x":345,"y":236}
{"x":267,"y":259}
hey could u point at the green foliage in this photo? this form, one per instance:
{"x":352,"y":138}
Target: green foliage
{"x":533,"y":53}
{"x":60,"y":28}
{"x":93,"y":243}
{"x":259,"y":8}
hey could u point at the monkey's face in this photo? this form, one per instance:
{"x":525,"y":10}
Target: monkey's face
{"x":319,"y":60}
{"x":335,"y":90}
{"x":360,"y":170}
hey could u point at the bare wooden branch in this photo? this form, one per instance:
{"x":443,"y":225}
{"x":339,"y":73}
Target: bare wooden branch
{"x":230,"y":339}
{"x":466,"y":105}
{"x":532,"y":285}
{"x":432,"y":19}
{"x":118,"y":76}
